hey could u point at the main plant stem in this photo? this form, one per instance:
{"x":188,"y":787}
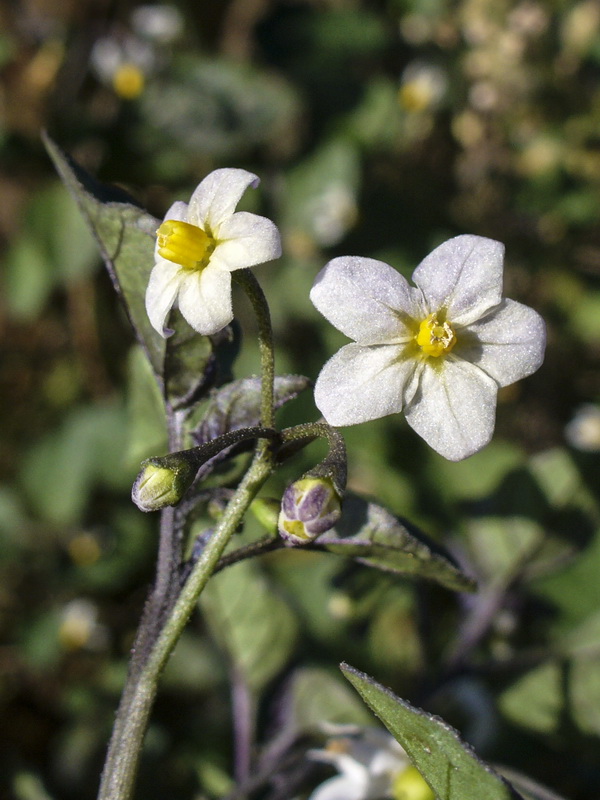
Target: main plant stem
{"x":167,"y":612}
{"x":138,"y":696}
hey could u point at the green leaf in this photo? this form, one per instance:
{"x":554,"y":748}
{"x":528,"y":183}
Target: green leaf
{"x":194,"y":363}
{"x":253,"y":625}
{"x":237,"y":405}
{"x":125,"y":235}
{"x":373,"y":536}
{"x":448,"y":764}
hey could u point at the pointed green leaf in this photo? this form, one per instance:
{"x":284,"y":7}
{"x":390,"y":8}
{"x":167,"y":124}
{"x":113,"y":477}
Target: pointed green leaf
{"x":372,"y":535}
{"x":254,"y":626}
{"x":125,"y":235}
{"x":448,"y":764}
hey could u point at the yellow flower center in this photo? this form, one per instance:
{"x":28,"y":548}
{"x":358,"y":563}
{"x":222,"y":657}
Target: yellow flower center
{"x":185,"y":244}
{"x":435,"y":338}
{"x":128,"y":81}
{"x":410,"y":785}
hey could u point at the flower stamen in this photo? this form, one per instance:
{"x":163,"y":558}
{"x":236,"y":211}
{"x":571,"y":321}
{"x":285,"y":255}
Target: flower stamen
{"x":184,"y":244}
{"x":435,"y":338}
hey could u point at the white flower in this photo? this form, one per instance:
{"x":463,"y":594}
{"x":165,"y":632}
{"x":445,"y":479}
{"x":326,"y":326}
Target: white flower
{"x":372,"y":765}
{"x":199,"y":245}
{"x":124,"y":62}
{"x":438,"y":352}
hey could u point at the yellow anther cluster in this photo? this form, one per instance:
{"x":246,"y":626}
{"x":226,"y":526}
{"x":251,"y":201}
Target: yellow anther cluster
{"x":184,"y":244}
{"x":435,"y":338}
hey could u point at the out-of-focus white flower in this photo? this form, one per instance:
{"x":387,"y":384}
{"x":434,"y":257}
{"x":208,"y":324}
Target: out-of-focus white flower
{"x":198,"y":247}
{"x":79,"y":626}
{"x":372,"y":766}
{"x":160,"y":23}
{"x":422,"y":86}
{"x":332,"y":213}
{"x":439,"y":352}
{"x":123,"y":61}
{"x":583,"y":431}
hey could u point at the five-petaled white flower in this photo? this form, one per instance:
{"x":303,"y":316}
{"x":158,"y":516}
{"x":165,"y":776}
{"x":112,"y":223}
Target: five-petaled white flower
{"x":199,"y":245}
{"x":372,"y":766}
{"x":439,"y":352}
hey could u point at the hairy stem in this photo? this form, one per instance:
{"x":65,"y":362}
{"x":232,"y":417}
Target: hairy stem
{"x":250,"y":285}
{"x":128,"y":735}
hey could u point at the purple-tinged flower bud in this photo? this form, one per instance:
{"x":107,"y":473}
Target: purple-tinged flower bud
{"x":309,"y":507}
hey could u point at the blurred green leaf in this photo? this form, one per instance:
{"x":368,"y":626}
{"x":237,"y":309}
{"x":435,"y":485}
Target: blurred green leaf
{"x":251,"y":622}
{"x":502,"y":546}
{"x":567,"y":683}
{"x":61,"y":470}
{"x":321,"y":193}
{"x":220,"y":108}
{"x":315,"y":696}
{"x":448,"y":764}
{"x":54,"y":247}
{"x":373,"y":536}
{"x":536,"y":700}
{"x":29,"y":279}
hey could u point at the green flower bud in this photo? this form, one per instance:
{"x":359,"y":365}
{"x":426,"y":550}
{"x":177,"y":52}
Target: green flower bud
{"x":163,"y":482}
{"x":309,"y":507}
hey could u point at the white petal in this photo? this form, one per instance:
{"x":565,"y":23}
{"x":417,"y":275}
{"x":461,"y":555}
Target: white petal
{"x":463,"y":276}
{"x":205,"y":300}
{"x":367,"y":300}
{"x":362,"y":383}
{"x":245,"y":240}
{"x":508,"y":344}
{"x":342,"y":787}
{"x":454,"y":408}
{"x":163,"y":286}
{"x":215,"y":199}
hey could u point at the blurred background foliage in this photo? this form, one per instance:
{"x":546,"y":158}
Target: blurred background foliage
{"x":378,"y":129}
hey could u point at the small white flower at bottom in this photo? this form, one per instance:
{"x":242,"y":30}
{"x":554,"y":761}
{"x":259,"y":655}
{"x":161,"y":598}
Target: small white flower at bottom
{"x":199,"y":245}
{"x":438,"y":351}
{"x":372,"y":766}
